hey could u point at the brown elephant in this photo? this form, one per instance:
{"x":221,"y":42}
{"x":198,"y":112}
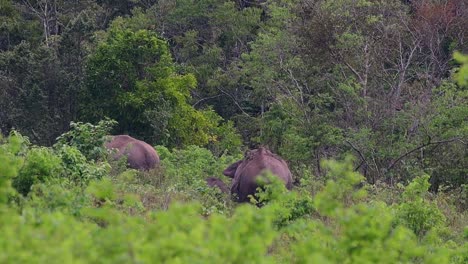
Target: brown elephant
{"x":140,"y":155}
{"x":216,"y":182}
{"x":245,"y":172}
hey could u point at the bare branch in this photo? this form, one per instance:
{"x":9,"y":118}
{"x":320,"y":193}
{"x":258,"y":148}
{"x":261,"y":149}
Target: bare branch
{"x":363,"y":159}
{"x":206,"y":98}
{"x":234,"y":100}
{"x":418,"y":148}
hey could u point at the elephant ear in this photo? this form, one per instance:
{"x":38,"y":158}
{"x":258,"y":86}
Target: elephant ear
{"x":231,"y":170}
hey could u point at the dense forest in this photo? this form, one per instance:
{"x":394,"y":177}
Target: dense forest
{"x":366,"y":101}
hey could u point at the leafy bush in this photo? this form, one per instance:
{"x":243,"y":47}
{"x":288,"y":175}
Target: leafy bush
{"x":462,"y":75}
{"x":186,"y":170}
{"x":56,"y":196}
{"x":416,"y":212}
{"x":226,"y":140}
{"x":189,"y":167}
{"x":77,"y":216}
{"x":341,"y":188}
{"x":289,"y":206}
{"x":77,"y":168}
{"x":10,"y":164}
{"x":89,"y":139}
{"x":132,"y":78}
{"x":39,"y":165}
{"x":361,"y":232}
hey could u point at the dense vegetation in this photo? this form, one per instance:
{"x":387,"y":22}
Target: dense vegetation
{"x":367,"y":101}
{"x":58,"y":204}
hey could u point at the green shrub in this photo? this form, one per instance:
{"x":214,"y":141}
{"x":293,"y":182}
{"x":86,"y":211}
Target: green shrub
{"x":89,"y":139}
{"x":416,"y":212}
{"x":189,"y":167}
{"x":226,"y":140}
{"x":290,"y":205}
{"x":341,"y":188}
{"x":77,"y":216}
{"x":77,"y":168}
{"x":40,"y":164}
{"x":354,"y":231}
{"x":10,"y":164}
{"x":185,"y":172}
{"x":57,"y":196}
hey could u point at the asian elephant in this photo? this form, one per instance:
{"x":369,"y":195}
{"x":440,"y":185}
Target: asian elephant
{"x":140,"y":155}
{"x":217,"y":183}
{"x":245,"y":172}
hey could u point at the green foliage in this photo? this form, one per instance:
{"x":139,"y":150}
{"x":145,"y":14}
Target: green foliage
{"x":14,"y":28}
{"x":234,"y":27}
{"x":447,"y":123}
{"x":40,"y":164}
{"x":77,"y":168}
{"x":131,"y":78}
{"x":42,"y":49}
{"x":187,"y":237}
{"x":295,"y":139}
{"x":288,"y":206}
{"x":225,"y":139}
{"x":124,"y":58}
{"x":417,"y":213}
{"x":462,"y":75}
{"x":56,"y":196}
{"x":449,"y":111}
{"x":206,"y":38}
{"x":30,"y":83}
{"x":82,"y":151}
{"x":190,"y":166}
{"x":366,"y":233}
{"x":33,"y":165}
{"x":340,"y":188}
{"x":103,"y":190}
{"x":10,"y":164}
{"x":363,"y":233}
{"x":109,"y":218}
{"x":185,"y":173}
{"x":310,"y":79}
{"x":65,"y":238}
{"x":87,"y":138}
{"x":179,"y":234}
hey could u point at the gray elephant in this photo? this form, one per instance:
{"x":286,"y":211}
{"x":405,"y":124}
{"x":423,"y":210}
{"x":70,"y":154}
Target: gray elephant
{"x":245,"y":172}
{"x":217,"y":183}
{"x":140,"y":155}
